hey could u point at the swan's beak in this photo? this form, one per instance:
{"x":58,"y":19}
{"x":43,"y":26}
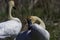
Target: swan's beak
{"x":14,"y":7}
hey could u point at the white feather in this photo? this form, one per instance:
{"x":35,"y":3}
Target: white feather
{"x":9,"y":28}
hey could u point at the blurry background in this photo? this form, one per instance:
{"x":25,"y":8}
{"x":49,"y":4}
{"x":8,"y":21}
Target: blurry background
{"x":47,"y":10}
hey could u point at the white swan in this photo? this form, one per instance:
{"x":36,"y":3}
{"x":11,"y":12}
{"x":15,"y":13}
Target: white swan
{"x":36,"y":32}
{"x":12,"y":26}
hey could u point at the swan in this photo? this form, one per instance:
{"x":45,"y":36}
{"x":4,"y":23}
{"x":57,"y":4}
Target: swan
{"x":38,"y":30}
{"x":11,"y":27}
{"x":38,"y":20}
{"x":34,"y":32}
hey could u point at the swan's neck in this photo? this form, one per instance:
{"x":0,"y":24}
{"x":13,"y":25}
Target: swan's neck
{"x":10,"y":15}
{"x":41,"y":22}
{"x":11,"y":5}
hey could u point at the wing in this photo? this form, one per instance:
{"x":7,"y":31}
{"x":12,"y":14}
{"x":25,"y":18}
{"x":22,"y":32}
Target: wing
{"x":40,"y":33}
{"x":10,"y":28}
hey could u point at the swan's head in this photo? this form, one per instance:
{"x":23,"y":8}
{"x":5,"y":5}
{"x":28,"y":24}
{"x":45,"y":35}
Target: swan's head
{"x":11,"y":3}
{"x":33,"y":19}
